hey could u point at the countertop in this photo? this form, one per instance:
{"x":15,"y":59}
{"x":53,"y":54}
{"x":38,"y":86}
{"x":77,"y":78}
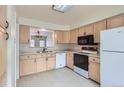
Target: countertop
{"x":58,"y":51}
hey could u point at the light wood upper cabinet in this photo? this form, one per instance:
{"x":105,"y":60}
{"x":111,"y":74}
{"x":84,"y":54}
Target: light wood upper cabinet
{"x":24,"y":32}
{"x":3,"y":16}
{"x":86,"y":30}
{"x":66,"y":37}
{"x":94,"y":69}
{"x":81,"y":31}
{"x":98,"y":26}
{"x":73,"y":36}
{"x":116,"y":21}
{"x":58,"y":37}
{"x":89,"y":29}
{"x":69,"y":58}
{"x":62,"y":37}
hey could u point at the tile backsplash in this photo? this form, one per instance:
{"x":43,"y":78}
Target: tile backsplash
{"x":27,"y":48}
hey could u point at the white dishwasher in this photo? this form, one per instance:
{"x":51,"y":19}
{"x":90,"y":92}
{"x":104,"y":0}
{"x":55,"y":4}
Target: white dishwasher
{"x":60,"y":59}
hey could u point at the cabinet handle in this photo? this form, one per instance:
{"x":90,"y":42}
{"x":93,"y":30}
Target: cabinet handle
{"x":7,"y":36}
{"x":35,"y":60}
{"x":46,"y":59}
{"x":7,"y":24}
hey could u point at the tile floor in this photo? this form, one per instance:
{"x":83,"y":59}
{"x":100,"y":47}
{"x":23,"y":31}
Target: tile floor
{"x":63,"y":77}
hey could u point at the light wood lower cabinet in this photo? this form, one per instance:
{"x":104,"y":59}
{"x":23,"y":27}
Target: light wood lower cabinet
{"x":41,"y":64}
{"x":69,"y":58}
{"x":27,"y":67}
{"x":94,"y":69}
{"x":36,"y":63}
{"x":50,"y":63}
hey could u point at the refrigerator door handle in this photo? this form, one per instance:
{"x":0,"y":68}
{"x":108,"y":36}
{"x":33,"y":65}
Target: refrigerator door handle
{"x":113,"y":51}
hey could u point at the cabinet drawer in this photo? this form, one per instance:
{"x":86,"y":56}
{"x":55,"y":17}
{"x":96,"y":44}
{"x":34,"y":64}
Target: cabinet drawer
{"x":27,"y":57}
{"x":51,"y":59}
{"x":40,"y":55}
{"x":40,"y":59}
{"x":50,"y":54}
{"x":94,"y":59}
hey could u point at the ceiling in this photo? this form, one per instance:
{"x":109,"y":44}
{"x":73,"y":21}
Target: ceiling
{"x":75,"y":15}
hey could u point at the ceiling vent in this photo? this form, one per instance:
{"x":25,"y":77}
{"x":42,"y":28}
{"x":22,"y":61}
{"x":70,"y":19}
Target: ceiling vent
{"x":61,"y":8}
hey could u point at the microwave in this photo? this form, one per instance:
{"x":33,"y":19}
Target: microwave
{"x":86,"y":40}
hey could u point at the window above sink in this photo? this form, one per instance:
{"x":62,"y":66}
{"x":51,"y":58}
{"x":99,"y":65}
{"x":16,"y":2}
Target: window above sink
{"x":41,"y":37}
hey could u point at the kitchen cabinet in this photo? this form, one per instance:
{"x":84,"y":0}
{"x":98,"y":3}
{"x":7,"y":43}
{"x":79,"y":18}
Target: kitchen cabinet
{"x":88,"y":29}
{"x":69,"y":62}
{"x":74,"y":36}
{"x":94,"y":69}
{"x":58,"y":37}
{"x":3,"y":56}
{"x":50,"y":63}
{"x":41,"y":64}
{"x":61,"y":37}
{"x":116,"y":21}
{"x":27,"y":66}
{"x":3,"y":16}
{"x":24,"y":32}
{"x":30,"y":64}
{"x":98,"y":26}
{"x":81,"y":31}
{"x":66,"y":37}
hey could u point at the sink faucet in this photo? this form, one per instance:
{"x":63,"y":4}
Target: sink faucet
{"x":44,"y":49}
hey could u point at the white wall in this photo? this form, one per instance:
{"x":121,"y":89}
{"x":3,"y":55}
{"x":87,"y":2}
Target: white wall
{"x":45,"y":25}
{"x":11,"y":17}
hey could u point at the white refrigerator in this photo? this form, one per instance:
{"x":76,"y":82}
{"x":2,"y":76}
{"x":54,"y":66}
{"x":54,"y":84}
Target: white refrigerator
{"x":112,"y":57}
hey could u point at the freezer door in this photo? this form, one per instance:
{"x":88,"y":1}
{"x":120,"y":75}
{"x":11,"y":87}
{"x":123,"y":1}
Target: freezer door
{"x":112,"y":69}
{"x":112,"y":39}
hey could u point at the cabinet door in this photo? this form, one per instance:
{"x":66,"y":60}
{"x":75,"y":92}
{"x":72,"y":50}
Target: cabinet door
{"x":41,"y":64}
{"x":94,"y":71}
{"x":2,"y":16}
{"x":89,"y":29}
{"x":116,"y":21}
{"x":58,"y":37}
{"x":50,"y":63}
{"x":27,"y":67}
{"x":73,"y":36}
{"x":99,"y":26}
{"x":3,"y":57}
{"x":65,"y":37}
{"x":0,"y":55}
{"x":24,"y":33}
{"x":70,"y":62}
{"x":81,"y":31}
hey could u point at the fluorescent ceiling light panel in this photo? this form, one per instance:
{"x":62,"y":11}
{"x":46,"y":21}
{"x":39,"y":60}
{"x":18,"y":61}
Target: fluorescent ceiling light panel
{"x":61,"y":8}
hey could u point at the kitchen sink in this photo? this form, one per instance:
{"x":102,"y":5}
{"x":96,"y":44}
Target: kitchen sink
{"x":44,"y":51}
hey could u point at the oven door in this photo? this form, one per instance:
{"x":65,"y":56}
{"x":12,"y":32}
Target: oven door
{"x":81,"y":61}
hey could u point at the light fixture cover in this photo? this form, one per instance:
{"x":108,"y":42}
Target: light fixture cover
{"x":61,"y":8}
